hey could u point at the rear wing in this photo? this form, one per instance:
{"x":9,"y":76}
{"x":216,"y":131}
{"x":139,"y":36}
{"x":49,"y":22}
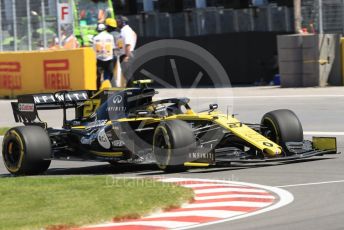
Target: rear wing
{"x":25,"y":110}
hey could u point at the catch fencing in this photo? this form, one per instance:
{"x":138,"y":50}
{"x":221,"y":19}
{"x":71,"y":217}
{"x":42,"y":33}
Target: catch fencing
{"x":27,"y":24}
{"x":32,"y":25}
{"x":323,"y":16}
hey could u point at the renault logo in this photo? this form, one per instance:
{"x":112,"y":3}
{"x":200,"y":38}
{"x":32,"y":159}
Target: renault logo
{"x":117,"y":99}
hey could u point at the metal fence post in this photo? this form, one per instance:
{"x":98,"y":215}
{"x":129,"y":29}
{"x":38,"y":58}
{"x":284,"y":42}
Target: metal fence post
{"x":170,"y":25}
{"x":198,"y":22}
{"x":218,"y":20}
{"x":58,"y":23}
{"x":14,"y":15}
{"x":297,"y":16}
{"x":321,"y":28}
{"x":236,"y":21}
{"x":1,"y":47}
{"x":287,"y":19}
{"x":342,"y":16}
{"x":250,"y":13}
{"x":75,"y":22}
{"x":141,"y":29}
{"x":187,"y":23}
{"x":28,"y":15}
{"x":269,"y":18}
{"x":44,"y":25}
{"x":157,"y":24}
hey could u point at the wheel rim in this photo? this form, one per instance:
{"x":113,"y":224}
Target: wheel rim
{"x":162,"y":148}
{"x":13,"y":154}
{"x":269,"y":134}
{"x":270,"y":131}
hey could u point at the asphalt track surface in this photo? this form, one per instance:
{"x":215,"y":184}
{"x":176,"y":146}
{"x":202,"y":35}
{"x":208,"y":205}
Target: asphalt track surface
{"x":317,"y":184}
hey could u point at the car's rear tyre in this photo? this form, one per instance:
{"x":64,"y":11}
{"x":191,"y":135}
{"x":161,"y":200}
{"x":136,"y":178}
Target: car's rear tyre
{"x":26,"y":150}
{"x":282,"y":126}
{"x":172,"y":141}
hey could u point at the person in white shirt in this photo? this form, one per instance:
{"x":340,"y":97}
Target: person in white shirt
{"x":126,"y":43}
{"x":104,"y":45}
{"x":127,"y":39}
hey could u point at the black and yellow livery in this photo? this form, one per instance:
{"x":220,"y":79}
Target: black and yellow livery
{"x":127,"y":125}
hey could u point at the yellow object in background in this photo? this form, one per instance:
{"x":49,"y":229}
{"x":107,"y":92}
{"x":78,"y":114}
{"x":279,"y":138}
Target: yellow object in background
{"x":120,"y":43}
{"x":47,"y":71}
{"x":111,"y":22}
{"x":106,"y":84}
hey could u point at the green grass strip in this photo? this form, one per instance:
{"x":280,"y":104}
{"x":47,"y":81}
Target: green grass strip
{"x":38,"y":202}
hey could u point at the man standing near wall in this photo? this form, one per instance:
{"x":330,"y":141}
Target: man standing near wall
{"x":126,"y":44}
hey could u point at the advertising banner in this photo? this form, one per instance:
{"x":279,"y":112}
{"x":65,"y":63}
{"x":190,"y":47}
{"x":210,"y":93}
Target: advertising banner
{"x":47,"y":71}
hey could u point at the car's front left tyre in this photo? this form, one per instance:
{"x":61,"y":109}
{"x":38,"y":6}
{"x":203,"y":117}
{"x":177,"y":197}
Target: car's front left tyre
{"x":282,"y":126}
{"x":26,"y":150}
{"x":172,"y":141}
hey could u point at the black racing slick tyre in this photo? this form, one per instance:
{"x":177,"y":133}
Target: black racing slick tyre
{"x":172,"y":141}
{"x":26,"y":150}
{"x":282,"y":126}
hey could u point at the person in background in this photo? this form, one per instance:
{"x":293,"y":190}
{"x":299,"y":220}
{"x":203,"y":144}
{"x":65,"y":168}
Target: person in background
{"x":68,"y":39}
{"x":113,"y":29}
{"x":127,"y":39}
{"x":104,"y":45}
{"x":71,"y":42}
{"x":54,"y":44}
{"x":101,"y":16}
{"x":126,"y":43}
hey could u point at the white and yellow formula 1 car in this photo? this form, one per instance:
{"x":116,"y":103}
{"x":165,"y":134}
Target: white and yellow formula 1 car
{"x":127,"y":125}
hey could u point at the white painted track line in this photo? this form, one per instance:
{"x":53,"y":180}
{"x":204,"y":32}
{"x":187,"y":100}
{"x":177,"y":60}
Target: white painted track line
{"x":266,"y":96}
{"x":230,"y":203}
{"x":286,"y":96}
{"x":205,"y":213}
{"x":215,"y":190}
{"x":308,"y":184}
{"x":321,"y":133}
{"x":162,"y":224}
{"x":195,"y":186}
{"x":235,"y":196}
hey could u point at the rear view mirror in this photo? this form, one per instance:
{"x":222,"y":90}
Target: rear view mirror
{"x":212,"y":107}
